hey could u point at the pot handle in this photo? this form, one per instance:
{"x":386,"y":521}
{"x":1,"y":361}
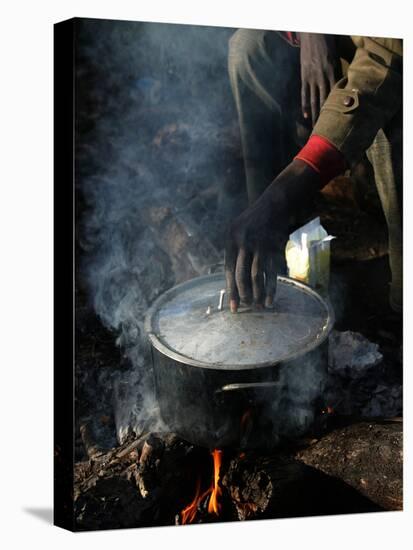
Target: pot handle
{"x":247,"y":386}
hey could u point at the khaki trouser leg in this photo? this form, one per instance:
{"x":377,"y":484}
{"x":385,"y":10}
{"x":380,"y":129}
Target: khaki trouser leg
{"x":264,"y":75}
{"x":385,"y":155}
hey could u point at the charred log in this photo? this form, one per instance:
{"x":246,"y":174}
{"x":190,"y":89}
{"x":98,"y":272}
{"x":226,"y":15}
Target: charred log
{"x":151,"y":479}
{"x":142,"y":483}
{"x":280,"y":486}
{"x":353,"y":469}
{"x":104,"y":493}
{"x":368,"y":456}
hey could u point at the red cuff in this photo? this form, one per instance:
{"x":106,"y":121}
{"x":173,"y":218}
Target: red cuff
{"x":323,"y":157}
{"x":291,"y":37}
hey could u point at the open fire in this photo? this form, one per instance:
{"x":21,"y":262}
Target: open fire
{"x":211,"y":495}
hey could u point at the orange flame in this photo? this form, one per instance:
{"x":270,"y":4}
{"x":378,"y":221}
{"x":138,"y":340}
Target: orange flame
{"x":188,"y":514}
{"x":213,"y":505}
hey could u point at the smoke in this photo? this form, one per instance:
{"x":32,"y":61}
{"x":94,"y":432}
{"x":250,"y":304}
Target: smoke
{"x":303,"y":382}
{"x":157,"y":155}
{"x":155,"y":128}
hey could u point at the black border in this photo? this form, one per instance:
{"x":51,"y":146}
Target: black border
{"x":64,"y":269}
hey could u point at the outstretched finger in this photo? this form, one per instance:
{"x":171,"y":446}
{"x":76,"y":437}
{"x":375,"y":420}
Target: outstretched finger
{"x":257,"y":278}
{"x":243,"y":275}
{"x":270,"y":280}
{"x":314,"y":101}
{"x":231,"y":253}
{"x":305,"y":100}
{"x":323,"y":94}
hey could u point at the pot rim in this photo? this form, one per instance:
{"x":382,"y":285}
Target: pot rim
{"x":168,"y":352}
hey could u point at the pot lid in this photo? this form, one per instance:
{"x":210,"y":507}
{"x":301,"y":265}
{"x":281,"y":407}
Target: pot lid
{"x":185,"y":324}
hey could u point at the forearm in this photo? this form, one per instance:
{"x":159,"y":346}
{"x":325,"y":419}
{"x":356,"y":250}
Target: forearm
{"x":297,"y":183}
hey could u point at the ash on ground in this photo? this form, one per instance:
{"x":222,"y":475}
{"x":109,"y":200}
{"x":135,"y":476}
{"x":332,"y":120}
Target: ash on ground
{"x":361,"y":381}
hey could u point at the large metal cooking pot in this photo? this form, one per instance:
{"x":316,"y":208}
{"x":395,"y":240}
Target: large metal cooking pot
{"x":238,"y":380}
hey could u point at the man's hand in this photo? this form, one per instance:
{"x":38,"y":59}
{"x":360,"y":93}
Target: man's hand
{"x":319,"y":71}
{"x":254,"y":239}
{"x":259,"y":235}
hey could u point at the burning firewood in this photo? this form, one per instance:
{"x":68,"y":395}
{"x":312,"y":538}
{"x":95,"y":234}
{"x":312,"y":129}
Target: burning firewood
{"x":205,"y":503}
{"x":161,"y":479}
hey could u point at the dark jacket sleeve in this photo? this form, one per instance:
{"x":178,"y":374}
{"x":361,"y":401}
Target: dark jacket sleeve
{"x":365,"y":100}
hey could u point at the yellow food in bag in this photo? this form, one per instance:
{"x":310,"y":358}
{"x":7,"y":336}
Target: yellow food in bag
{"x":308,"y":255}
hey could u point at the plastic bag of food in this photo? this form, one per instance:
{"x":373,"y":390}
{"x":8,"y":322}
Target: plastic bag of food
{"x":308,"y":255}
